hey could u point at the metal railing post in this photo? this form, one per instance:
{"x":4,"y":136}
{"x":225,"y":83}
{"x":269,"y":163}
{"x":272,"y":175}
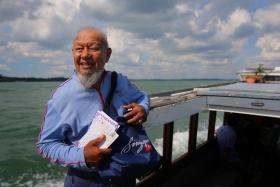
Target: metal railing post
{"x":167,"y":144}
{"x":211,"y":125}
{"x":193,"y":133}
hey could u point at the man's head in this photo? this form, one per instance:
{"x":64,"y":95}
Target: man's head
{"x":90,"y":52}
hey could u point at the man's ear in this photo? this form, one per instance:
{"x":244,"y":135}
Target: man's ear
{"x":108,"y":54}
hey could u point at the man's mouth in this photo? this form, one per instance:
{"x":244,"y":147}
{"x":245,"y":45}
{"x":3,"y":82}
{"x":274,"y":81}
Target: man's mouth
{"x":86,"y":65}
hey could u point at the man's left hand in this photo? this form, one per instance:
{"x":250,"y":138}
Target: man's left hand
{"x":137,"y":115}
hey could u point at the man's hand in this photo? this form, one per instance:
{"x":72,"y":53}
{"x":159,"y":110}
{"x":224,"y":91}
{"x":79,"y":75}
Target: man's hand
{"x":137,"y":115}
{"x":93,"y":154}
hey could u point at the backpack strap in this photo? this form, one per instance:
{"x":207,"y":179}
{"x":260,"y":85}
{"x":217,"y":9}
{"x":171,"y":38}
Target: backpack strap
{"x":108,"y":102}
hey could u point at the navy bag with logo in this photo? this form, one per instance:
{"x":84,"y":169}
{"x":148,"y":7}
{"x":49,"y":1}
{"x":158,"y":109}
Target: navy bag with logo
{"x":133,"y":154}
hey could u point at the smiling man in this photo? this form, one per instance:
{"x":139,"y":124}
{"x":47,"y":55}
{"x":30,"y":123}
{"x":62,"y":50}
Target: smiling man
{"x":90,"y":53}
{"x":73,"y":105}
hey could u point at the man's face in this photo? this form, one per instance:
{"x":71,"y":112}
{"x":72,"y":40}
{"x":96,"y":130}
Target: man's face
{"x":89,"y":52}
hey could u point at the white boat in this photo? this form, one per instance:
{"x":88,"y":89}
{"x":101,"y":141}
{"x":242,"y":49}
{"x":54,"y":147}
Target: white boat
{"x":257,"y":113}
{"x":270,"y":75}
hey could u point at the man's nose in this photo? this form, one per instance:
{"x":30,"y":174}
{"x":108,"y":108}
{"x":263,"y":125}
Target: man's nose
{"x":85,"y":53}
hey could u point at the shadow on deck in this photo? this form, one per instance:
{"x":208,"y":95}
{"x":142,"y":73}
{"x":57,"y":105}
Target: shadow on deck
{"x":205,"y":171}
{"x":202,"y":169}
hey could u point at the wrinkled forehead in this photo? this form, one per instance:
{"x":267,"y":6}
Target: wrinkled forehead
{"x":87,"y":36}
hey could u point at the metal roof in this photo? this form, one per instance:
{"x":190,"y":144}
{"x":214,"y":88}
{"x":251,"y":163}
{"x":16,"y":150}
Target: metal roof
{"x":258,"y":90}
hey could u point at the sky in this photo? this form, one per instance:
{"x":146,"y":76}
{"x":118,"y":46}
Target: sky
{"x":150,"y":39}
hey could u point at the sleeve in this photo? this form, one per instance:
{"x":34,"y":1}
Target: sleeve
{"x":133,"y":94}
{"x":51,"y":143}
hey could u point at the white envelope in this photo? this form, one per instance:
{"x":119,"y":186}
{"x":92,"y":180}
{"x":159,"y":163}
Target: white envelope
{"x":101,"y":124}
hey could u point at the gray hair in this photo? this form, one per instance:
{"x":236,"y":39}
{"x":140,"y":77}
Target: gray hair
{"x":104,"y":36}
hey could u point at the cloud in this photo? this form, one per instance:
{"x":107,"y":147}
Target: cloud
{"x":270,"y":46}
{"x":267,"y":19}
{"x":130,"y":51}
{"x":32,"y":50}
{"x":183,"y":8}
{"x":269,"y":36}
{"x":238,"y":18}
{"x":10,"y":10}
{"x":150,"y":39}
{"x":143,"y":18}
{"x":4,"y":67}
{"x":47,"y":24}
{"x":26,"y":52}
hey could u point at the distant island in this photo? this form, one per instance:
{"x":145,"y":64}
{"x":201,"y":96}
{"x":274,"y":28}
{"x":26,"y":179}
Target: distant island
{"x":30,"y":79}
{"x":61,"y":79}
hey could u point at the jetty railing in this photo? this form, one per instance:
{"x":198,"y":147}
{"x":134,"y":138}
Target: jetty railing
{"x":164,"y":111}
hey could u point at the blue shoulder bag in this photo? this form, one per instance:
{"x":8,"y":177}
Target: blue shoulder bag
{"x":133,"y":154}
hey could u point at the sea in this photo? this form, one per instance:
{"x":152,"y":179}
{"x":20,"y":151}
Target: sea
{"x":21,"y":113}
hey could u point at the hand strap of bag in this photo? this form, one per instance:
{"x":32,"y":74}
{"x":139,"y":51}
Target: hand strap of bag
{"x":108,"y":102}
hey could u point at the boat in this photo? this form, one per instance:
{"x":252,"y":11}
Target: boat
{"x":270,"y":74}
{"x":200,"y":164}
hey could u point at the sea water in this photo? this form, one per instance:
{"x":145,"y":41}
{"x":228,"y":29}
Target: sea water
{"x":21,"y":112}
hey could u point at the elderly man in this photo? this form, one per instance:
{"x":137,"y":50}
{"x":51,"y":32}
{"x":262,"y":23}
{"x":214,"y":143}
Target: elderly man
{"x":73,"y":106}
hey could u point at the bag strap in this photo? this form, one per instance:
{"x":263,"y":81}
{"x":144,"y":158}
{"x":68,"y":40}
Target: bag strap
{"x":108,"y":102}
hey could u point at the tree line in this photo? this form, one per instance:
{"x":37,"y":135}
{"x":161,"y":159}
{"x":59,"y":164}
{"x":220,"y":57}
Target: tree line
{"x":29,"y":79}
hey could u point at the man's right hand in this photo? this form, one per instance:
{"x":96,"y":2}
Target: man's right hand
{"x":93,"y":154}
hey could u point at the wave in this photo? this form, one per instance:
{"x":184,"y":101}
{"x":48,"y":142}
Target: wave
{"x":38,"y":180}
{"x":180,"y":140}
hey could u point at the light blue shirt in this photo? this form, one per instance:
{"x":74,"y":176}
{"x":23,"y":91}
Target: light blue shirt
{"x":70,"y":111}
